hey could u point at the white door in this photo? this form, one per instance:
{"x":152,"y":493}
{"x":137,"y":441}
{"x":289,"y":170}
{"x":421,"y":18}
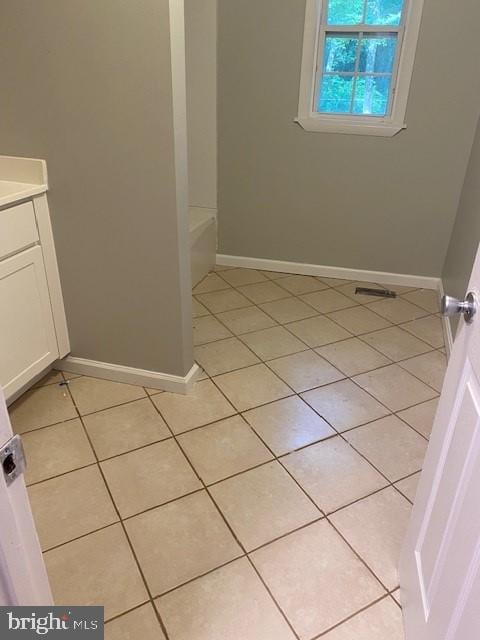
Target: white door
{"x":27,"y":332}
{"x":440,"y":564}
{"x":23,"y":578}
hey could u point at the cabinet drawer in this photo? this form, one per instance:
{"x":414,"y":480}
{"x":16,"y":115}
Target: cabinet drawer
{"x":17,"y":229}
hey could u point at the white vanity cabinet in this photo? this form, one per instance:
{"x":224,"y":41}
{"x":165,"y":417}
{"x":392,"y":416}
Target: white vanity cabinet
{"x":33,"y":330}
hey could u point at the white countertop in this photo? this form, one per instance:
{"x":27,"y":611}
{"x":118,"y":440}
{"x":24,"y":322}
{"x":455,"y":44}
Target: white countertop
{"x":21,"y":178}
{"x":11,"y":192}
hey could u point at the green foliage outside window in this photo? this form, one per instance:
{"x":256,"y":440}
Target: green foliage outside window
{"x":363,"y":94}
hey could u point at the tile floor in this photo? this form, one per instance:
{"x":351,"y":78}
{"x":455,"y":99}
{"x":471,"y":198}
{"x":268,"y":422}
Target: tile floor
{"x":271,"y":503}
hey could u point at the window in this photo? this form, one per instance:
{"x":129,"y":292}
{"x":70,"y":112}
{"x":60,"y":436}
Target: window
{"x":357,"y":65}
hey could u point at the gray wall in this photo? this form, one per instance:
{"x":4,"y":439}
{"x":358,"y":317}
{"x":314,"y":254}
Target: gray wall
{"x":341,"y":200}
{"x":201,"y":54}
{"x":86,"y":84}
{"x":466,"y":232}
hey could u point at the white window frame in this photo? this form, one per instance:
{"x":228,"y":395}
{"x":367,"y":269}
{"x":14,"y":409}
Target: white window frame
{"x":313,"y":45}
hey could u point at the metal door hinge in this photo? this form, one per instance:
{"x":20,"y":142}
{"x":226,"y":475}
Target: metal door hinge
{"x":12,"y":459}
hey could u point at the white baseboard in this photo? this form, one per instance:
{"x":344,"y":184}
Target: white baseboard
{"x":130,"y":375}
{"x":447,"y":327}
{"x":362,"y":275}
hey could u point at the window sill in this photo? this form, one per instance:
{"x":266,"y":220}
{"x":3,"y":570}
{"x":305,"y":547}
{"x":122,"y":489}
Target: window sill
{"x":333,"y":125}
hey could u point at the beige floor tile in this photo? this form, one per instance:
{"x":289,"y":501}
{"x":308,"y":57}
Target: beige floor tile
{"x":152,"y":392}
{"x":273,"y":343}
{"x":224,"y":355}
{"x":41,"y":407}
{"x":396,"y":344}
{"x":210,"y":283}
{"x":71,"y":506}
{"x":328,"y":300}
{"x":55,"y":450}
{"x":353,"y":356}
{"x":359,"y":320}
{"x":204,"y":404}
{"x":121,"y":429}
{"x":333,"y":474}
{"x":306,"y":370}
{"x":318,"y":331}
{"x":376,"y":528}
{"x":251,"y":387}
{"x":68,"y":375}
{"x":264,"y":292}
{"x":149,"y":477}
{"x":222,"y":267}
{"x":52,"y":377}
{"x":350,"y":288}
{"x":239,"y":277}
{"x":180,"y":541}
{"x":245,"y":320}
{"x":198,"y":309}
{"x":421,"y":416}
{"x":395,"y":387}
{"x":409,"y":486}
{"x":228,"y":604}
{"x":275,"y":275}
{"x":208,"y":329}
{"x":382,"y":621}
{"x":396,"y":596}
{"x":429,"y":300}
{"x":390,"y":445}
{"x":344,"y":405}
{"x":288,"y":310}
{"x":428,"y":329}
{"x":219,"y":301}
{"x":139,"y":623}
{"x":316,"y":579}
{"x":223,"y":449}
{"x":93,"y":394}
{"x":397,"y":310}
{"x":302,"y":284}
{"x":288,"y":424}
{"x":95,"y":570}
{"x":430,"y":368}
{"x":263,"y":504}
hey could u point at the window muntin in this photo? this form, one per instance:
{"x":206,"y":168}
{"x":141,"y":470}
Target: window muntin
{"x":359,"y":48}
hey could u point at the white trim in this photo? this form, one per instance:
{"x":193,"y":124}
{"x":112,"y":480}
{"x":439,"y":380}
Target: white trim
{"x":447,"y":326}
{"x":130,"y":375}
{"x":42,"y":214}
{"x":325,"y":124}
{"x":387,"y":126}
{"x":362,"y":275}
{"x":179,"y":102}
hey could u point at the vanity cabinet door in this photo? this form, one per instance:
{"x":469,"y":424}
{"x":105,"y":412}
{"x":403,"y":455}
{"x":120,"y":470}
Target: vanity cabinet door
{"x":27,"y":332}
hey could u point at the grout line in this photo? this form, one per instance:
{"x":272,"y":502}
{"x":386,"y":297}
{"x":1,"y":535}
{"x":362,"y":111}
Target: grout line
{"x":241,"y":556}
{"x":326,"y":516}
{"x":140,"y":570}
{"x":230,"y":528}
{"x":354,"y":615}
{"x":275,"y":458}
{"x":124,"y":613}
{"x":60,"y":475}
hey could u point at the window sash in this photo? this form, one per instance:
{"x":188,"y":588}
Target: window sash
{"x":357,"y":30}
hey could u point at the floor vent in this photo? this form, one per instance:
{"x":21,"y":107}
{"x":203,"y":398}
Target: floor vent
{"x":377,"y":293}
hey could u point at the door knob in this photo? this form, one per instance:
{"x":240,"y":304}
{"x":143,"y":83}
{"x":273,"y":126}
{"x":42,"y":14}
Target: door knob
{"x":452,"y":306}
